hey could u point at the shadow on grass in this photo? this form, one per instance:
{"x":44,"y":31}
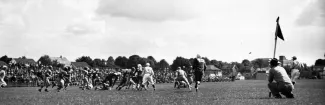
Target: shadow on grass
{"x":258,"y":98}
{"x":182,"y":91}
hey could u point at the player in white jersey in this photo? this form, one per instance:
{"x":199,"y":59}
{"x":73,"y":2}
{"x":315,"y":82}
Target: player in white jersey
{"x":2,"y":76}
{"x":181,"y":76}
{"x":148,"y":76}
{"x":295,"y":70}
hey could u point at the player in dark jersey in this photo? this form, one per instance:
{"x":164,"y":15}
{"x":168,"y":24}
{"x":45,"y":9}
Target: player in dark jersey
{"x":125,"y":79}
{"x":95,"y":76}
{"x":86,"y":79}
{"x":62,"y":77}
{"x":190,"y":75}
{"x":109,"y":78}
{"x":45,"y":77}
{"x":139,"y":73}
{"x":133,"y":78}
{"x":199,"y":66}
{"x":67,"y":78}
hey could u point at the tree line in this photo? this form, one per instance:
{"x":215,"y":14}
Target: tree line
{"x":134,"y":60}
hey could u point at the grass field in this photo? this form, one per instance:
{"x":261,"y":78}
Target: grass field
{"x":245,"y":92}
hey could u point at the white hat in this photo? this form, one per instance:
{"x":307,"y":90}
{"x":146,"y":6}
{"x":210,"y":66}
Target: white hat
{"x":147,"y":64}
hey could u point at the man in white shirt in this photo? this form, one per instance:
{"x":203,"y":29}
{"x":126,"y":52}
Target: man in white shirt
{"x":282,"y":84}
{"x":295,"y":70}
{"x":148,"y":76}
{"x":181,"y":76}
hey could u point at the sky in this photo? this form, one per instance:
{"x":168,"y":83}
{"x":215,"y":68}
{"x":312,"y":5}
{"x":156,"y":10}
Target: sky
{"x":226,"y":30}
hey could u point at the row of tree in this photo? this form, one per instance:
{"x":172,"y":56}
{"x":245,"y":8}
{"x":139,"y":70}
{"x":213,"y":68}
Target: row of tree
{"x":134,"y":60}
{"x":125,"y":62}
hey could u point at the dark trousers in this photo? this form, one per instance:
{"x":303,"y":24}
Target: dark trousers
{"x":280,"y":87}
{"x":198,"y":75}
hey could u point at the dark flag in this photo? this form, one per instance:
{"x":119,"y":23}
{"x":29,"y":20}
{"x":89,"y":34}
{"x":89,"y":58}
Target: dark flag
{"x":278,"y":31}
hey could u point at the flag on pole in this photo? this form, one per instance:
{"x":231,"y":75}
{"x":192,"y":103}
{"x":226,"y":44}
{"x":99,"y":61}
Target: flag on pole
{"x":278,"y":31}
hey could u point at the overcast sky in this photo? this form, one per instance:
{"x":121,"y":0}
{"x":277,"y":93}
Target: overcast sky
{"x":223,"y":30}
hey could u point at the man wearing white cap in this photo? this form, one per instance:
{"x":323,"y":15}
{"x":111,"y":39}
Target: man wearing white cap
{"x":2,"y":76}
{"x":282,"y":84}
{"x":148,"y":76}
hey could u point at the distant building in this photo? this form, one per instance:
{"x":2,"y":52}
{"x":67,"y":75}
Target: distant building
{"x":212,"y":69}
{"x":23,"y":61}
{"x":79,"y":65}
{"x":227,"y":69}
{"x":261,"y":75}
{"x":61,"y":60}
{"x":285,"y":62}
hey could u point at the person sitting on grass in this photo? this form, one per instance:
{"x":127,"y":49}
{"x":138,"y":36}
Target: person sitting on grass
{"x":282,"y":84}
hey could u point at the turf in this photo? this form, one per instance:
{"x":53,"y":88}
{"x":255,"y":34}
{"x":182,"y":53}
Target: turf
{"x":248,"y":92}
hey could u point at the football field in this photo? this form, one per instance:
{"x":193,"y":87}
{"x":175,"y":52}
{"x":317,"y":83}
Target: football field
{"x":247,"y":92}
